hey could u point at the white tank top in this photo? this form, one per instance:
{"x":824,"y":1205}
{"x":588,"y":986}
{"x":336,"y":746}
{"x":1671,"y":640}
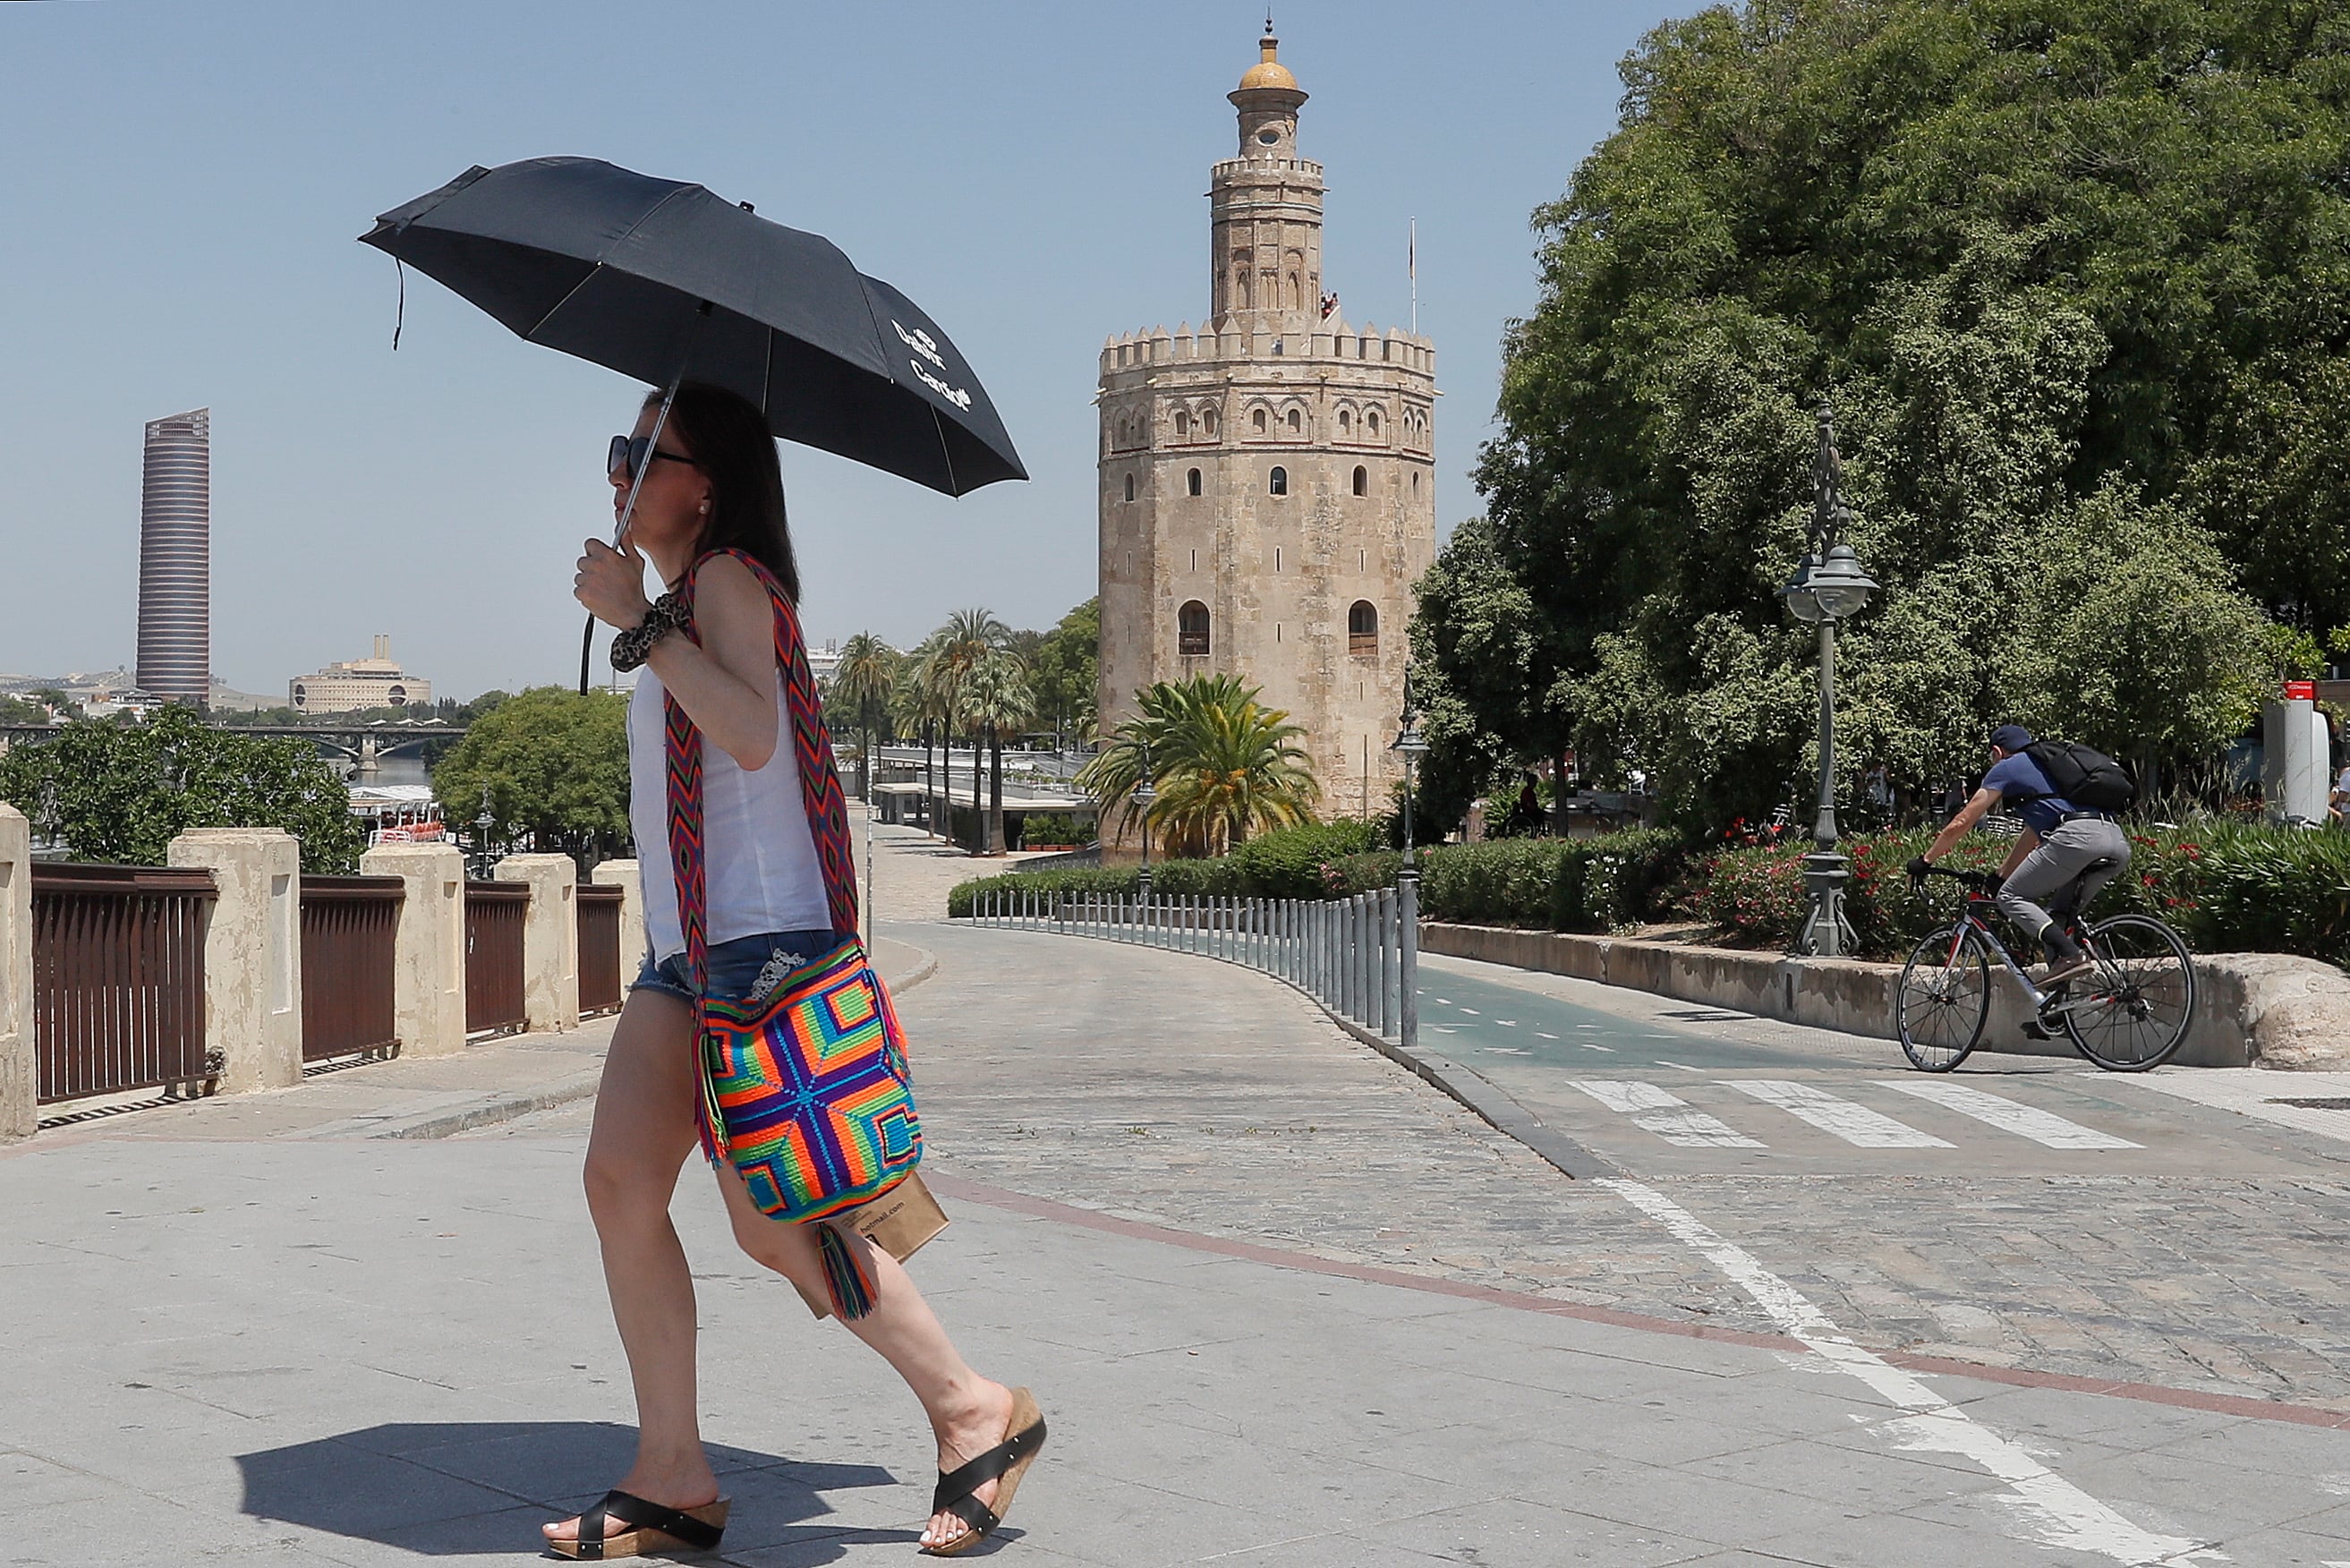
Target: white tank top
{"x":759,"y":860}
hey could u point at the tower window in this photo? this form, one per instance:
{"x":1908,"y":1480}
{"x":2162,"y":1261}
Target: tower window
{"x":1256,"y":420}
{"x":1195,"y":560}
{"x":1182,"y":423}
{"x":1415,"y":482}
{"x":1371,"y":423}
{"x":1208,"y":422}
{"x":1346,"y":422}
{"x":1130,"y":487}
{"x":1362,"y":479}
{"x":1363,"y":628}
{"x":1191,"y":631}
{"x":1296,"y":423}
{"x":1277,"y":482}
{"x":1276,"y":557}
{"x":1191,"y":482}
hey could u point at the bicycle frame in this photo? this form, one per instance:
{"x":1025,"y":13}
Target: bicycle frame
{"x":1970,"y":919}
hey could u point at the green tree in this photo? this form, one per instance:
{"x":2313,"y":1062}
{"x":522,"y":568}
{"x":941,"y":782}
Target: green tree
{"x":1223,"y":766}
{"x":555,"y":763}
{"x":121,"y":793}
{"x":1064,"y":670}
{"x":997,"y":698}
{"x":950,"y":656}
{"x":2038,"y":253}
{"x":862,"y":683}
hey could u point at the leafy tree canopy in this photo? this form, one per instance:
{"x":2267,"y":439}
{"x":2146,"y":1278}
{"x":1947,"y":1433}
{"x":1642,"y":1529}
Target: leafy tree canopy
{"x":555,"y":763}
{"x":2075,"y":275}
{"x":121,"y":793}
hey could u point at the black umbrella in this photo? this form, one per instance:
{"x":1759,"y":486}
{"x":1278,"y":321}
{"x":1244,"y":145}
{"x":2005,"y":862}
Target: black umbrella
{"x":661,"y":280}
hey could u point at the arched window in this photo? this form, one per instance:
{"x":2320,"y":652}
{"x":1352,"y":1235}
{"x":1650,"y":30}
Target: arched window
{"x":1182,"y":424}
{"x":1363,"y":628}
{"x":1256,"y":420}
{"x":1362,"y":479}
{"x":1191,"y":482}
{"x":1415,"y":482}
{"x":1191,"y":631}
{"x":1277,"y":482}
{"x":1208,"y":422}
{"x":1345,"y":423}
{"x":1371,"y":424}
{"x":1296,"y":423}
{"x":1130,"y":487}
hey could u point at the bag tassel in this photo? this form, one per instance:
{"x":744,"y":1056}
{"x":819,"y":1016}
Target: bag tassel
{"x":851,"y":1287}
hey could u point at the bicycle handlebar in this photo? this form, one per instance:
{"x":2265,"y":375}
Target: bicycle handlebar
{"x":1980,"y":881}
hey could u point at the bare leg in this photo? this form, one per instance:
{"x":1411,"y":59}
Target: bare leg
{"x":643,"y":1133}
{"x":968,"y":1413}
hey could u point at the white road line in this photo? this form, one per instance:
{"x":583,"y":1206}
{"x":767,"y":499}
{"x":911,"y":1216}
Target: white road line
{"x":1682,"y":1065}
{"x":1507,"y":1023}
{"x":1587,"y":1045}
{"x":1667,"y":1116}
{"x":2061,"y":1516}
{"x":2008,"y":1115}
{"x":1545,"y":1036}
{"x":2256,"y":1092}
{"x":1857,"y":1125}
{"x":1472,"y":1012}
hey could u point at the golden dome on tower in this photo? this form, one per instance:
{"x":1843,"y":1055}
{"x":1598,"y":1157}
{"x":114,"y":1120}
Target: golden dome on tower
{"x":1268,"y":72}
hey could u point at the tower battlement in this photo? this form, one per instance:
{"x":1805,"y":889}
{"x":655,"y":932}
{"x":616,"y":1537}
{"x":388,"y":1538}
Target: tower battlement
{"x":1267,"y":486}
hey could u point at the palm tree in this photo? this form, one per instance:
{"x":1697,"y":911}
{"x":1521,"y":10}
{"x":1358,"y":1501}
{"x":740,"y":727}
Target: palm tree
{"x":918,"y":705}
{"x":953,"y":653}
{"x":864,"y":679}
{"x":997,"y":695}
{"x":1224,"y":765}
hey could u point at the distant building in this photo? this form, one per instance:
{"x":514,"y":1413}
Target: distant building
{"x":1268,"y":492}
{"x":344,"y":688}
{"x":175,"y":573}
{"x":823,"y":661}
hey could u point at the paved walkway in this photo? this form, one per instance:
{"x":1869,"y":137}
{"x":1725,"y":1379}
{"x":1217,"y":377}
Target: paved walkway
{"x":1282,"y":1302}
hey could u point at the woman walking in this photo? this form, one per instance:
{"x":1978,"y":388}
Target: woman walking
{"x":710,"y":496}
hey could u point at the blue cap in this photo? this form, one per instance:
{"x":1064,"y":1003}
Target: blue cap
{"x":2010,"y":737}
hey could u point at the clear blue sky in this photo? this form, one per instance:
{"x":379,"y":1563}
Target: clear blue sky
{"x":184,"y":183}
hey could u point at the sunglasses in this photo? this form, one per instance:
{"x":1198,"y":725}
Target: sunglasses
{"x":628,"y":456}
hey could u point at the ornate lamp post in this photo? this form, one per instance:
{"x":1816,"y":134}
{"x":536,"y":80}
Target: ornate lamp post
{"x":1409,"y":743}
{"x":1829,"y":585}
{"x":481,"y":825}
{"x":1143,"y":796}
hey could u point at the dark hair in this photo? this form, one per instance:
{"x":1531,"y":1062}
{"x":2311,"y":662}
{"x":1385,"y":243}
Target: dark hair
{"x":728,"y":439}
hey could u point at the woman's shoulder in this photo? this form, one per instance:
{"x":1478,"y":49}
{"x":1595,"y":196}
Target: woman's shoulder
{"x":727,"y":573}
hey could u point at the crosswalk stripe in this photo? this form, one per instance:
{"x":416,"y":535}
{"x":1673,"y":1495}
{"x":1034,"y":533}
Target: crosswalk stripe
{"x":1667,"y":1116}
{"x":1857,"y":1125}
{"x":2008,"y":1115}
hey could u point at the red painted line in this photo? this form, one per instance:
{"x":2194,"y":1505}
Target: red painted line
{"x":967,"y":1192}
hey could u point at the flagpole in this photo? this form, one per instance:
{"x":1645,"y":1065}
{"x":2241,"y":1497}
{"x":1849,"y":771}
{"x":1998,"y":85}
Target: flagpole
{"x":1412,"y":265}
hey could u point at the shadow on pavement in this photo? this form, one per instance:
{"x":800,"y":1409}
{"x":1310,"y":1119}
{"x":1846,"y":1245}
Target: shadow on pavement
{"x":457,"y":1488}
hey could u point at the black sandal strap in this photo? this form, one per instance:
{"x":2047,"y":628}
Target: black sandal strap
{"x":957,"y":1485}
{"x":974,"y":1512}
{"x":641,"y":1513}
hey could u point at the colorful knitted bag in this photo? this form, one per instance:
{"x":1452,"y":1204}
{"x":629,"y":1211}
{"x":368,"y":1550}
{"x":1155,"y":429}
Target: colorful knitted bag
{"x":807,"y":1090}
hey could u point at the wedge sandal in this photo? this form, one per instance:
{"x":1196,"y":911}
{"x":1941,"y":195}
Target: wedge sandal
{"x":650,"y":1528}
{"x":1005,"y":1464}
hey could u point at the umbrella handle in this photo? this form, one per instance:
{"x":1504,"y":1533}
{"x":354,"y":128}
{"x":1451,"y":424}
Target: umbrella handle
{"x":586,"y":644}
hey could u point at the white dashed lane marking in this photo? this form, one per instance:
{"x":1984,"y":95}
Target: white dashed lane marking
{"x":1857,"y":1125}
{"x":2041,"y":1126}
{"x":1669,"y":1116}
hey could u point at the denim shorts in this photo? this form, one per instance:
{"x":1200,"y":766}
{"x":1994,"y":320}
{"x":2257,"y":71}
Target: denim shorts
{"x":744,"y":969}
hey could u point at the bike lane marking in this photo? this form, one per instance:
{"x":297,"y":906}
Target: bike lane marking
{"x":2061,"y":1514}
{"x":1669,"y":1116}
{"x":1857,"y":1125}
{"x":2044,"y":1128}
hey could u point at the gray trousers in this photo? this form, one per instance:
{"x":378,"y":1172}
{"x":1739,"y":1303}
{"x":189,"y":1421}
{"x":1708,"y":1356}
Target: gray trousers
{"x":2086,"y":849}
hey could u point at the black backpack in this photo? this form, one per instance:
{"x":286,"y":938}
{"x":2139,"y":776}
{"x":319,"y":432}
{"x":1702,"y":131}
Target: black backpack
{"x":2083,"y":775}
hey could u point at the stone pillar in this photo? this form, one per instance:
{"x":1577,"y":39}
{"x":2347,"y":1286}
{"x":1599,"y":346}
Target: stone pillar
{"x":253,"y":952}
{"x":19,"y":1068}
{"x":428,"y":966}
{"x":550,"y":939}
{"x":628,"y":877}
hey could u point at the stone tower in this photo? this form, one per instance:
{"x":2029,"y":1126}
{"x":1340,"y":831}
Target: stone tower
{"x":1268,"y":494}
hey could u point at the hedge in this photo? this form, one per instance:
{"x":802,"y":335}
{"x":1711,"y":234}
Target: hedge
{"x":1555,"y":884}
{"x":2228,"y":888}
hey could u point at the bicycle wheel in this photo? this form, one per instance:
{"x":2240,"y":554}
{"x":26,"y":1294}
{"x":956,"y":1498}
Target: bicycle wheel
{"x":2141,"y":996}
{"x":1944,"y":998}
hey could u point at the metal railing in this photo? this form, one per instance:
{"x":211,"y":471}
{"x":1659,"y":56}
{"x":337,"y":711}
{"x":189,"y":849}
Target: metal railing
{"x":118,"y":978}
{"x":350,"y":933}
{"x":598,"y":910}
{"x":1357,"y":957}
{"x":494,"y":912}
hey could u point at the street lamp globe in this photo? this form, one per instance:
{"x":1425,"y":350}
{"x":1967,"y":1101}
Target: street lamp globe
{"x":1837,"y":587}
{"x":1803,"y":602}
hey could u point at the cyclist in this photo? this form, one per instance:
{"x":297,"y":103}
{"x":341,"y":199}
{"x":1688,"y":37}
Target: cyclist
{"x":2062,"y":844}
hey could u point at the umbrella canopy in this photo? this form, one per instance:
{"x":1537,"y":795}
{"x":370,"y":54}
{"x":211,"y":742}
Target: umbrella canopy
{"x":661,"y":280}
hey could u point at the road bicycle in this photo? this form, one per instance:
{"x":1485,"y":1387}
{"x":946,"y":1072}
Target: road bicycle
{"x":2129,"y":1014}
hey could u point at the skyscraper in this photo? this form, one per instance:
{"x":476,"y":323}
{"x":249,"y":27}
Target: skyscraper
{"x":176,"y":570}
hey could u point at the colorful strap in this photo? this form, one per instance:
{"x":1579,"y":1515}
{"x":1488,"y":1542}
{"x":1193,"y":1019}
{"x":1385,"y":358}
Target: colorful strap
{"x":828,"y":806}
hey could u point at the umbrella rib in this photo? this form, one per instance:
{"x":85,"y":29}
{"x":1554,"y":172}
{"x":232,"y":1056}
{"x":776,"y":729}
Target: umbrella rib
{"x":629,"y":234}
